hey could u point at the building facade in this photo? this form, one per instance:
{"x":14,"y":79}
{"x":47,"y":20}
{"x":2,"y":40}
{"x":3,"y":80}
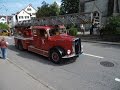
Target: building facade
{"x":23,"y":15}
{"x":27,"y":13}
{"x":3,"y":19}
{"x":6,"y":19}
{"x":101,"y":9}
{"x":31,"y":10}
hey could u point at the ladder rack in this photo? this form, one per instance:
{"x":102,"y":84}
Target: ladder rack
{"x":67,"y":19}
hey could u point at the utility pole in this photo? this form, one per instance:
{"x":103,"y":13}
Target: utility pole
{"x":79,"y":6}
{"x":79,"y":12}
{"x":116,"y":8}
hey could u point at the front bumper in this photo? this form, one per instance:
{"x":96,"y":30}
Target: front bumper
{"x":73,"y":55}
{"x":70,"y":56}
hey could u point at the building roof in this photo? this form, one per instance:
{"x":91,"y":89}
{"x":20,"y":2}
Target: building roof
{"x":9,"y":17}
{"x":3,"y":16}
{"x":22,"y":10}
{"x":31,"y":6}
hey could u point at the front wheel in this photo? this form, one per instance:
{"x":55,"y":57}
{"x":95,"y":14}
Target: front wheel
{"x":55,"y":56}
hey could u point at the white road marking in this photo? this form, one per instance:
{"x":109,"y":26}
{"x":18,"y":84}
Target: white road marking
{"x":9,"y":37}
{"x":92,"y":55}
{"x":117,"y":79}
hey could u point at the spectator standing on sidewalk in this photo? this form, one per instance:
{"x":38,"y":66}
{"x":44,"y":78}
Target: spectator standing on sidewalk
{"x":92,"y":27}
{"x":0,"y":49}
{"x":4,"y":45}
{"x":82,"y":29}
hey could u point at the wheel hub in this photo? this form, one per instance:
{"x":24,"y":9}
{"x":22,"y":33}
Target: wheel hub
{"x":55,"y":56}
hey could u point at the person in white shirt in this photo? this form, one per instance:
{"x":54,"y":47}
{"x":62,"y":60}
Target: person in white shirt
{"x":82,"y":29}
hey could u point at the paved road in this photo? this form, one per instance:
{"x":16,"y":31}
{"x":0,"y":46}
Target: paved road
{"x":86,"y":73}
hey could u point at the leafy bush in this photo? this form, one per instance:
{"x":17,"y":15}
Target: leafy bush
{"x":3,"y":26}
{"x":113,"y":26}
{"x":73,"y":31}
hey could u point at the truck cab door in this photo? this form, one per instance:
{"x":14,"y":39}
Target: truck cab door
{"x":37,"y":40}
{"x":44,"y":40}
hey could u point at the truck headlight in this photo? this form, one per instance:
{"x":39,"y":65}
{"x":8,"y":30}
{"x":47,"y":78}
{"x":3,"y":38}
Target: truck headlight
{"x":68,"y":52}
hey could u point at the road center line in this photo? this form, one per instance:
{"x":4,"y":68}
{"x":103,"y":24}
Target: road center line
{"x":92,"y":55}
{"x":117,"y":79}
{"x":9,"y":37}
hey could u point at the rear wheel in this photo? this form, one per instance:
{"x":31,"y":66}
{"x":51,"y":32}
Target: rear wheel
{"x":55,"y":56}
{"x":20,"y":46}
{"x":16,"y":46}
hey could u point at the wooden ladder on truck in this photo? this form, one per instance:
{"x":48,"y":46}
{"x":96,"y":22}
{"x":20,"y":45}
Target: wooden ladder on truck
{"x":76,"y":18}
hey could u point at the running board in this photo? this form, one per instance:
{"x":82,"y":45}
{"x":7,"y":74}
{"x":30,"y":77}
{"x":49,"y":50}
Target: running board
{"x":38,"y":51}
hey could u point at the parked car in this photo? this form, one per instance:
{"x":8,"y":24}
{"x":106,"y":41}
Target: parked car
{"x":4,"y":32}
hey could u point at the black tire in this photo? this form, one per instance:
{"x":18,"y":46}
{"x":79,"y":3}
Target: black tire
{"x":55,"y":56}
{"x":16,"y":46}
{"x":20,"y":46}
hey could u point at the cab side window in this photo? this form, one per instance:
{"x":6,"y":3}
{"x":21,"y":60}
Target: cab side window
{"x":43,"y":33}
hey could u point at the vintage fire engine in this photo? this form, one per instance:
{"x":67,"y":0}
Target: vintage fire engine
{"x":48,"y":37}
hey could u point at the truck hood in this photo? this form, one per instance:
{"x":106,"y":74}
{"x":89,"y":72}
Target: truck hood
{"x":63,"y":37}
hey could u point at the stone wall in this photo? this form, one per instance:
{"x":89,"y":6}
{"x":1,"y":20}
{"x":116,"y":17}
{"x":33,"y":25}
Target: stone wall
{"x":100,"y":5}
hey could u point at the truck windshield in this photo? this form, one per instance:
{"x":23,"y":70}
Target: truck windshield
{"x":57,"y":31}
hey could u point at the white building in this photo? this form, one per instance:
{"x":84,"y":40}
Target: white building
{"x":25,"y":14}
{"x":3,"y":19}
{"x":30,"y":10}
{"x":6,"y":19}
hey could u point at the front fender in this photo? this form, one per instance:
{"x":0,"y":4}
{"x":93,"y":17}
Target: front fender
{"x":60,"y":50}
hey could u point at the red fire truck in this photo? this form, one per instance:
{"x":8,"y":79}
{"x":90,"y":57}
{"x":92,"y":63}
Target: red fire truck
{"x":50,"y":40}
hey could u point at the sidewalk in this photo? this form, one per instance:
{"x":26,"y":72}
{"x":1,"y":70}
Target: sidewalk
{"x":14,"y":78}
{"x":101,"y":42}
{"x":94,"y":39}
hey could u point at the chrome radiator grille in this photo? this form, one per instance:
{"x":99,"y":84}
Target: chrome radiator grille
{"x":77,"y":46}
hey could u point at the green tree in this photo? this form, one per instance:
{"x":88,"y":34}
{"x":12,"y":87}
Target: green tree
{"x":69,"y":6}
{"x":43,"y":11}
{"x":113,"y":26}
{"x":3,"y":26}
{"x":54,"y":9}
{"x":73,"y":31}
{"x":47,"y":10}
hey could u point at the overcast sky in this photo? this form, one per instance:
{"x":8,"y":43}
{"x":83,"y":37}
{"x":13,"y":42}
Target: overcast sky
{"x":9,"y":7}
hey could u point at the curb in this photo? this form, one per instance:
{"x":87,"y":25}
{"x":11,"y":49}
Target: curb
{"x":32,"y":76}
{"x":101,"y":42}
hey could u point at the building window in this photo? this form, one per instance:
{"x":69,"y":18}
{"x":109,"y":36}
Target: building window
{"x":32,"y":17}
{"x":28,"y":9}
{"x":20,"y":17}
{"x":89,"y":0}
{"x":3,"y":19}
{"x":26,"y":17}
{"x":33,"y":13}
